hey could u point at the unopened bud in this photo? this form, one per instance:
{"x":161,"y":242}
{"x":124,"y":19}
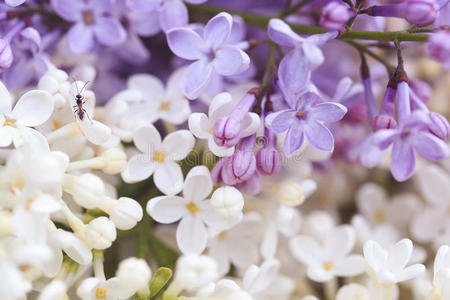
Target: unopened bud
{"x":421,"y":12}
{"x":134,"y":274}
{"x":439,"y":47}
{"x":268,"y":160}
{"x":439,"y":126}
{"x":240,"y":167}
{"x":87,"y":189}
{"x":115,"y":161}
{"x":228,"y":202}
{"x":100,"y":233}
{"x":289,"y":193}
{"x":126,"y":213}
{"x":335,"y":15}
{"x":227,"y":131}
{"x":383,"y":122}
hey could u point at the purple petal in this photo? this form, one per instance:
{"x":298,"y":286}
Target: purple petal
{"x":70,"y":10}
{"x":80,"y":38}
{"x":313,"y":54}
{"x":217,"y":30}
{"x":293,"y":140}
{"x":328,"y":112}
{"x":238,"y":30}
{"x":101,"y":7}
{"x":282,"y":34}
{"x":195,"y":1}
{"x":185,"y":43}
{"x":403,"y":160}
{"x":14,"y":2}
{"x":145,"y":23}
{"x":383,"y":138}
{"x":293,"y":72}
{"x":230,"y":60}
{"x":319,"y":136}
{"x":196,"y":78}
{"x":173,"y":14}
{"x":430,"y":146}
{"x":320,"y":39}
{"x":109,"y":31}
{"x":280,"y":121}
{"x":143,"y":5}
{"x":416,"y":120}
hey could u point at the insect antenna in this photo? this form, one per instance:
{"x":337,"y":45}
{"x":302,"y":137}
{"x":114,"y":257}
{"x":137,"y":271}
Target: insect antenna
{"x":84,"y":86}
{"x":76,"y":85}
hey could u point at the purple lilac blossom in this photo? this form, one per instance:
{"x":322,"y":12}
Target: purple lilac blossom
{"x":212,"y":53}
{"x":92,"y":22}
{"x":306,"y":118}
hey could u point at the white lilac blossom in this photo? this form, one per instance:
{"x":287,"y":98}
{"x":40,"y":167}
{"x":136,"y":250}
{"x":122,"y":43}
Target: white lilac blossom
{"x":331,"y":259}
{"x":212,"y":53}
{"x":220,"y":213}
{"x":281,"y":138}
{"x":203,"y":126}
{"x":159,"y":157}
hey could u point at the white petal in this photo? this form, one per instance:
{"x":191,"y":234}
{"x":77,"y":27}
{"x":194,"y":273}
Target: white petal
{"x":305,"y":249}
{"x":191,"y":235}
{"x":166,"y":209}
{"x":33,"y":108}
{"x":198,"y":184}
{"x":95,"y":132}
{"x":350,"y":266}
{"x":147,"y":139}
{"x":221,"y":105}
{"x":178,"y":144}
{"x":32,"y":138}
{"x":196,"y":78}
{"x":73,"y":246}
{"x":168,"y":178}
{"x":219,"y":150}
{"x":250,"y":124}
{"x":399,"y":255}
{"x":269,"y":245}
{"x":6,"y":135}
{"x":139,"y":167}
{"x":258,"y":279}
{"x":199,"y":125}
{"x":340,"y":241}
{"x":148,"y":85}
{"x":5,"y":99}
{"x":433,"y":182}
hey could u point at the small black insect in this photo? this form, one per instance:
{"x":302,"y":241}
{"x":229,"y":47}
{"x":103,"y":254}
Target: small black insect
{"x":79,"y":109}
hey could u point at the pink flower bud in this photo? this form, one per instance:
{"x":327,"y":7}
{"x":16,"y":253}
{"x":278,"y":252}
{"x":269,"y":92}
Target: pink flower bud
{"x":335,"y":15}
{"x":227,"y":131}
{"x":421,"y":12}
{"x":268,"y":161}
{"x":383,"y":122}
{"x":439,"y":47}
{"x":439,"y":126}
{"x":6,"y":56}
{"x":242,"y":164}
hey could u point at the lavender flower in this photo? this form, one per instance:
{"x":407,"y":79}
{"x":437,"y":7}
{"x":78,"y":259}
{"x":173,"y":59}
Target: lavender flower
{"x":334,"y":15}
{"x":439,"y":47}
{"x":93,"y":21}
{"x":212,"y":53}
{"x":411,"y":133}
{"x":419,"y":12}
{"x":294,"y":69}
{"x":306,"y":117}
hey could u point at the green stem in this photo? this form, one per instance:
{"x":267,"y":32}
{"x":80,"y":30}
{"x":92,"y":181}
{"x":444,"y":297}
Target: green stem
{"x":365,"y":49}
{"x":262,"y":21}
{"x":294,"y":9}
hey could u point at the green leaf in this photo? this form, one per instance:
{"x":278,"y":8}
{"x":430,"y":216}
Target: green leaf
{"x":159,"y":280}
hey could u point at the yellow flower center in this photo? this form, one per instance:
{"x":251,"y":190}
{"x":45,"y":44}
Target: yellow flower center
{"x":159,"y":156}
{"x":328,"y":266}
{"x":192,"y":208}
{"x":88,"y":18}
{"x":300,"y":113}
{"x":9,"y":122}
{"x":165,"y":106}
{"x":56,"y":124}
{"x":379,"y":216}
{"x":100,"y":293}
